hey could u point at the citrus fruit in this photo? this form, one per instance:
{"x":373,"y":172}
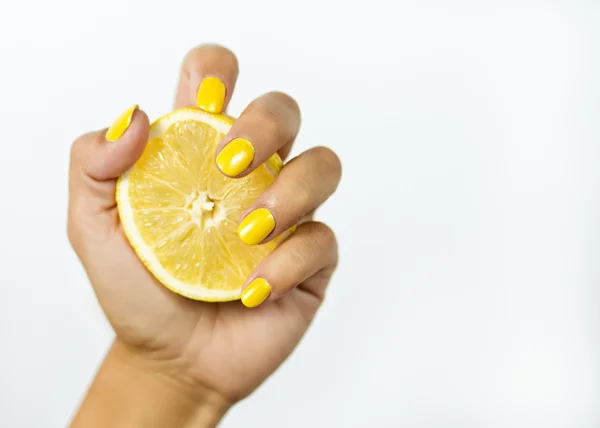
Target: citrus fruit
{"x":181,"y":214}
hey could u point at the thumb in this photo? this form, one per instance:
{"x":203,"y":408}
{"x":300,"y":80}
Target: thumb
{"x":110,"y":154}
{"x":99,"y":157}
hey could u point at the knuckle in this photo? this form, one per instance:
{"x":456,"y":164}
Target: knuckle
{"x":285,"y":101}
{"x":278,"y":115}
{"x":328,"y":160}
{"x":329,"y":241}
{"x":268,"y":112}
{"x":324,"y":235}
{"x":322,"y":240}
{"x":80,"y":147}
{"x":299,"y":193}
{"x":227,"y":56}
{"x":269,"y":120}
{"x":76,"y":150}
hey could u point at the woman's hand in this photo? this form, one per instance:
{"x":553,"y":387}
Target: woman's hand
{"x":174,"y":355}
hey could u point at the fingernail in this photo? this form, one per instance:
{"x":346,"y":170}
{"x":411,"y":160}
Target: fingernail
{"x":120,"y":125}
{"x":211,"y":95}
{"x":235,"y":157}
{"x":256,"y":293}
{"x":256,"y":226}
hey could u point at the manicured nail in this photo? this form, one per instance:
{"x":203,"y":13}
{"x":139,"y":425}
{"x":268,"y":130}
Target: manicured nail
{"x":211,"y":95}
{"x":256,"y":293}
{"x":120,"y":125}
{"x":256,"y":226}
{"x":235,"y":157}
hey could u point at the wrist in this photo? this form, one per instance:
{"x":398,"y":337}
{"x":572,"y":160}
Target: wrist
{"x":131,"y":391}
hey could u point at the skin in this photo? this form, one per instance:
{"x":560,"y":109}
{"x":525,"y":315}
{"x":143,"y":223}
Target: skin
{"x":177,"y":362}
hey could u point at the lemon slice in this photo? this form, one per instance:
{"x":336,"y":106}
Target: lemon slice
{"x":180,"y":213}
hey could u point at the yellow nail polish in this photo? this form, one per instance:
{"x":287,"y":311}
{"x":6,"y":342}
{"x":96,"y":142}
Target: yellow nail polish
{"x":120,"y":125}
{"x":211,"y":95}
{"x":235,"y":157}
{"x":256,"y":293}
{"x":256,"y":226}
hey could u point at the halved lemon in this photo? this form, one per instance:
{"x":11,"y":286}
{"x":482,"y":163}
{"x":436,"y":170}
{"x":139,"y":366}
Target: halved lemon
{"x":180,"y":213}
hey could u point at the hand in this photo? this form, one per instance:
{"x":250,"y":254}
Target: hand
{"x":218,"y":350}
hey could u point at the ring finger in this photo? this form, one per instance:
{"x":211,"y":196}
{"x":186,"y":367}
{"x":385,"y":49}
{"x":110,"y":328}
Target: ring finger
{"x":303,"y":184}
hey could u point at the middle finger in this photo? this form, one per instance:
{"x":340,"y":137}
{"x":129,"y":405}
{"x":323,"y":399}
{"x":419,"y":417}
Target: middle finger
{"x":207,"y":79}
{"x":268,"y":125}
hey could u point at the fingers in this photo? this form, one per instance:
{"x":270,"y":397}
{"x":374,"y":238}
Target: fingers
{"x":207,"y":78}
{"x":312,"y":249}
{"x":268,"y":125}
{"x":303,"y":184}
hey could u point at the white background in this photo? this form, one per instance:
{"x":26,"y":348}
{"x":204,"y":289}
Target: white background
{"x":468,"y":216}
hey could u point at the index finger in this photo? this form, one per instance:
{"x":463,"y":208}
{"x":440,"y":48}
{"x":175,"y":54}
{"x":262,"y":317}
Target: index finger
{"x":207,"y":78}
